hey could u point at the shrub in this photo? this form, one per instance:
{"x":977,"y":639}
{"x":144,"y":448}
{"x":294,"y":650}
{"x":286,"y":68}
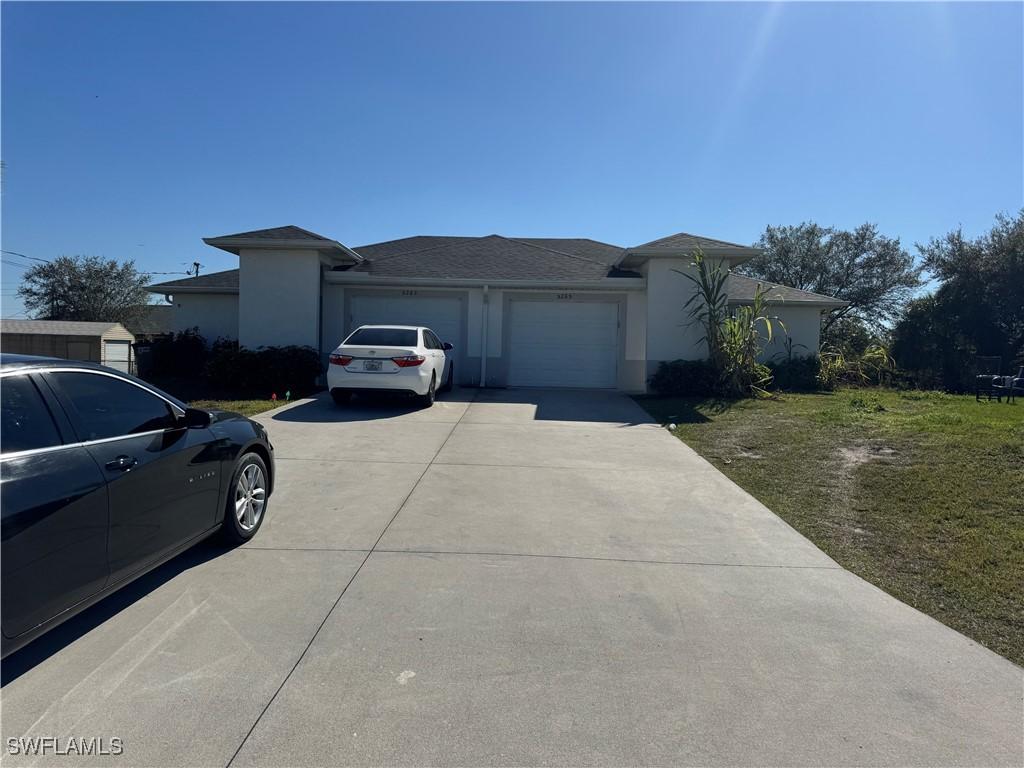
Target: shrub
{"x":265,"y":370}
{"x":797,"y":374}
{"x":178,"y":354}
{"x":686,"y":378}
{"x":874,"y":366}
{"x":870,"y":404}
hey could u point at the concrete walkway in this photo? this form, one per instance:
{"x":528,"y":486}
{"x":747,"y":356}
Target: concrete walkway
{"x":512,"y":578}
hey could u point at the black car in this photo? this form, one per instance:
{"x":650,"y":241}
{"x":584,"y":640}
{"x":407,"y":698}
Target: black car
{"x":103,"y":478}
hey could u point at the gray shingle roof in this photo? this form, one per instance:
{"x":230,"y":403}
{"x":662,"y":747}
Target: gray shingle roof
{"x":226,"y":279}
{"x":741,"y":288}
{"x":406,"y":245}
{"x":684,"y":241}
{"x":288,"y":232}
{"x":484,"y":258}
{"x":157,"y":318}
{"x":579,"y":246}
{"x":55,"y":327}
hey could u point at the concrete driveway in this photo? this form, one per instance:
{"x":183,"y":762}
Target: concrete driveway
{"x":511,"y":578}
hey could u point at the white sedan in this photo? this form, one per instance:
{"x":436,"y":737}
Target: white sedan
{"x":394,"y":358}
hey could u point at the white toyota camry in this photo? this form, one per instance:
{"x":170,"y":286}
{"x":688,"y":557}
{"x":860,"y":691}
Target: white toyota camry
{"x":403,"y":359}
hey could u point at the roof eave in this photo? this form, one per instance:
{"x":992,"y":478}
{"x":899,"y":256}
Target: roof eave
{"x":236,"y":244}
{"x":739,"y":255}
{"x":168,"y":290}
{"x":822,"y":303}
{"x":602,"y":284}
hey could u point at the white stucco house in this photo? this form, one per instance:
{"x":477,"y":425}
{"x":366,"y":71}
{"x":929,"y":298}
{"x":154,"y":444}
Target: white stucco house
{"x":520,"y":311}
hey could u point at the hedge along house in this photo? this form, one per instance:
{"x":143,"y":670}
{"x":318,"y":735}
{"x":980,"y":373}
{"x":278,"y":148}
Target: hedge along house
{"x":530,"y":312}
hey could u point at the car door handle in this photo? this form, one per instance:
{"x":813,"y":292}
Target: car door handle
{"x":123,"y":463}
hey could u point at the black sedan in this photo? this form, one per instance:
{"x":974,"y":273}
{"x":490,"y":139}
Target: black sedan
{"x":103,"y":478}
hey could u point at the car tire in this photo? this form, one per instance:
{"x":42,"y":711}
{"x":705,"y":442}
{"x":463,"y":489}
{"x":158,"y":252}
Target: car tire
{"x":242,"y":514}
{"x":340,"y":397}
{"x":449,"y":382}
{"x":427,"y":400}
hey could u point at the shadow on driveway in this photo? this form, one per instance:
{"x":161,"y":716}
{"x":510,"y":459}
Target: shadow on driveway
{"x":507,"y":406}
{"x":322,"y":410}
{"x":684,"y":410}
{"x":42,"y":648}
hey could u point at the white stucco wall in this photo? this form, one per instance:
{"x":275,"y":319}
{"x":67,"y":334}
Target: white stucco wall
{"x":802,"y":326}
{"x":671,"y":334}
{"x":214,"y":314}
{"x":495,"y":326}
{"x":279,"y":298}
{"x":333,"y":316}
{"x":636,"y":326}
{"x":475,"y":317}
{"x":280,"y":303}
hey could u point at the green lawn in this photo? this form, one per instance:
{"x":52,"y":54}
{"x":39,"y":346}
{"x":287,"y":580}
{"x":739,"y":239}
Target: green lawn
{"x":199,"y":394}
{"x":244,"y":407}
{"x":920,"y":493}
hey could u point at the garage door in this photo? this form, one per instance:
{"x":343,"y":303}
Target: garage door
{"x":443,"y":315}
{"x":117,"y":354}
{"x":563,"y":344}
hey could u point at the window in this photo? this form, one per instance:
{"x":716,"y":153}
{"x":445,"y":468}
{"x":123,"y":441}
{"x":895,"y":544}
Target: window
{"x":26,"y":422}
{"x":430,"y":340}
{"x":383,"y":337}
{"x":110,"y":407}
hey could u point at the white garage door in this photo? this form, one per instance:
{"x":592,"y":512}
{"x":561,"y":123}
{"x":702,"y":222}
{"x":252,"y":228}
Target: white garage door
{"x":117,"y":354}
{"x":443,"y":315}
{"x":563,"y":344}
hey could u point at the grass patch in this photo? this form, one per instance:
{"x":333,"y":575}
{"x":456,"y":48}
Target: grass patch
{"x":199,"y":393}
{"x":920,"y":493}
{"x":244,"y":407}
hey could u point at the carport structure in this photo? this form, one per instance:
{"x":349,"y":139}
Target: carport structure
{"x":513,"y":577}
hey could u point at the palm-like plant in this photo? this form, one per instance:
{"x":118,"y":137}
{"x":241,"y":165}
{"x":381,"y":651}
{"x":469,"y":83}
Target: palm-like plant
{"x":709,"y":305}
{"x":735,"y":341}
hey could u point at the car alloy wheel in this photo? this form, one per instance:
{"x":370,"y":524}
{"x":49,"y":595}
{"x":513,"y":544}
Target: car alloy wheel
{"x":250,"y":497}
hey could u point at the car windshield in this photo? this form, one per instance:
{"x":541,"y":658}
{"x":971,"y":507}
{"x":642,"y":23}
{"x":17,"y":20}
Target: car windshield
{"x":383,"y":337}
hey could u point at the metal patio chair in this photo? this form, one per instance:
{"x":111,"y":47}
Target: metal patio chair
{"x":987,"y":379}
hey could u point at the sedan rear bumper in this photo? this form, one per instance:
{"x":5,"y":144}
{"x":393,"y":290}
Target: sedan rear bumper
{"x":414,"y":380}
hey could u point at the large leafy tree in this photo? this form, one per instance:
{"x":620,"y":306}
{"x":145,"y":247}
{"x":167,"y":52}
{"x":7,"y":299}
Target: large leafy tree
{"x":85,"y":288}
{"x":867,"y":269}
{"x":978,"y":308}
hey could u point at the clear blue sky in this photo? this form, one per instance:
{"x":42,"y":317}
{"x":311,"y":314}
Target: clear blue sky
{"x":133,"y":130}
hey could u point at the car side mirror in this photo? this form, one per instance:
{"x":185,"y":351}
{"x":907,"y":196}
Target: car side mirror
{"x":447,"y":346}
{"x":195,"y":418}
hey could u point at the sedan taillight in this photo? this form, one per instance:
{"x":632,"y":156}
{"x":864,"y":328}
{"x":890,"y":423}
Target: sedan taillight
{"x":340,"y":359}
{"x":409,"y":361}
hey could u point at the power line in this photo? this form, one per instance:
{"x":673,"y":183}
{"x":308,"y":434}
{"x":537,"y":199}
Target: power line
{"x":16,"y":264}
{"x":195,"y":265}
{"x":33,"y":258}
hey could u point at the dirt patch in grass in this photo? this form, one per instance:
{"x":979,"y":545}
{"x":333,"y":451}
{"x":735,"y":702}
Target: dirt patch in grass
{"x":920,"y":493}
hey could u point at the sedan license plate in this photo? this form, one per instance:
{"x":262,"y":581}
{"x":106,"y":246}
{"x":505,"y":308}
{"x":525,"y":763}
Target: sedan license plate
{"x":371,"y":365}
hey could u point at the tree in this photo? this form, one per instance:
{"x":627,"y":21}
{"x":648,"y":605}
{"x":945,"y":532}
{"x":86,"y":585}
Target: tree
{"x":850,"y":336}
{"x":978,"y":308}
{"x":870,"y":271}
{"x":85,"y":288}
